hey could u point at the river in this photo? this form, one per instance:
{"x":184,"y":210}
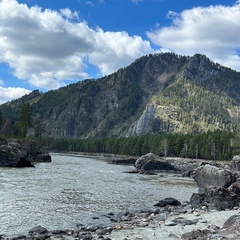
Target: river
{"x":73,"y":189}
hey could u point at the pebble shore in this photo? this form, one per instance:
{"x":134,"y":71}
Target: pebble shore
{"x":168,"y":222}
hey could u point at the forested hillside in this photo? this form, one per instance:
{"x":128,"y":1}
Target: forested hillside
{"x":157,"y":93}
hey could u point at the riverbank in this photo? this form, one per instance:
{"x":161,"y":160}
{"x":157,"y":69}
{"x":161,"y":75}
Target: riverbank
{"x":161,"y":223}
{"x":73,"y":197}
{"x":184,"y":223}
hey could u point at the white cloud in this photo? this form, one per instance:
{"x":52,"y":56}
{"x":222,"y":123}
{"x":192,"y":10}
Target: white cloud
{"x":117,"y":45}
{"x":212,"y":30}
{"x":10,"y":93}
{"x":1,"y":82}
{"x":44,"y":48}
{"x":66,"y":12}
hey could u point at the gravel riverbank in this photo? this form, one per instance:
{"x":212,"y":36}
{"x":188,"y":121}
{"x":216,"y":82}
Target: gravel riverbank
{"x":168,"y":222}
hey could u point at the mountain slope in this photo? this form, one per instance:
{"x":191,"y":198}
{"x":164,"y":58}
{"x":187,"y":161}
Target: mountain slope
{"x":157,"y":93}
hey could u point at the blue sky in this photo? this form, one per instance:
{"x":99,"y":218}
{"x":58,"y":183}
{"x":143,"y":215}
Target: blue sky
{"x":48,"y":44}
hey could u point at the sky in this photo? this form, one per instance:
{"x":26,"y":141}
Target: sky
{"x":48,"y":44}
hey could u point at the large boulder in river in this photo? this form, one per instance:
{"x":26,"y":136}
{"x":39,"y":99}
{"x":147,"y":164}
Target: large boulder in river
{"x":32,"y":149}
{"x":21,"y":153}
{"x":11,"y":156}
{"x":151,"y":162}
{"x":208,"y":176}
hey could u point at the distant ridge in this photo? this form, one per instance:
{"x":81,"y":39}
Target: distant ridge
{"x":157,"y":93}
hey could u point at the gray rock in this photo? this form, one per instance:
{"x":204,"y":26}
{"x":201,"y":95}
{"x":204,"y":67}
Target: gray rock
{"x":20,"y":153}
{"x":168,"y":202}
{"x":209,"y":176}
{"x":236,"y":158}
{"x":37,"y":230}
{"x":10,"y":156}
{"x":170,"y":223}
{"x":218,"y":198}
{"x":235,"y":163}
{"x":230,"y":230}
{"x":196,"y":234}
{"x":151,"y":162}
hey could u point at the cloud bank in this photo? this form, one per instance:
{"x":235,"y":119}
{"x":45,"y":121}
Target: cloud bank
{"x":213,"y":31}
{"x":46,"y":47}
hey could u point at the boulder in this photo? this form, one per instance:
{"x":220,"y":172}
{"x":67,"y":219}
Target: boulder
{"x":236,"y":158}
{"x":217,"y":199}
{"x":32,"y":149}
{"x":235,"y":163}
{"x":218,"y":188}
{"x":167,"y":202}
{"x":10,"y":156}
{"x":42,"y":157}
{"x":21,"y":153}
{"x":37,"y":230}
{"x":128,"y":161}
{"x":196,"y":234}
{"x":208,"y":176}
{"x":151,"y":162}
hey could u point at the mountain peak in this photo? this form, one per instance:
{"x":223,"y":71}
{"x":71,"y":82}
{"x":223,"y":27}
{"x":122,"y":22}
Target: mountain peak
{"x":156,"y":93}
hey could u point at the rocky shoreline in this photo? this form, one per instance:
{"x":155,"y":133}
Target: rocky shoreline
{"x":166,"y":222}
{"x":212,"y":213}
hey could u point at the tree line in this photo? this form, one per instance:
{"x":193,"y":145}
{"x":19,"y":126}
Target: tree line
{"x":212,"y":145}
{"x":215,"y":145}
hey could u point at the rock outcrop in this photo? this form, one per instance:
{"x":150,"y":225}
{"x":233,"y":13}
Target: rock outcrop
{"x":21,"y":153}
{"x":151,"y":163}
{"x":143,"y":125}
{"x":218,"y":188}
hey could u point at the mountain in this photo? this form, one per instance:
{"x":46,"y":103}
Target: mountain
{"x":157,"y":93}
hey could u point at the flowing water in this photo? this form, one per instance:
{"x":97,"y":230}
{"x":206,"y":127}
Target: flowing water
{"x":73,"y":189}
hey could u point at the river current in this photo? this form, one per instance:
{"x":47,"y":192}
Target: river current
{"x":74,"y":189}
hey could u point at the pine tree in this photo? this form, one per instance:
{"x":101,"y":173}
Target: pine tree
{"x":25,"y":118}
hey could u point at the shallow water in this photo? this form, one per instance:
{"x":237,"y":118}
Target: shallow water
{"x":73,"y":189}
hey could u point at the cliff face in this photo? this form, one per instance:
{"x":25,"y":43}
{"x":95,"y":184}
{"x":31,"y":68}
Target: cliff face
{"x":157,"y":93}
{"x":144,"y":124}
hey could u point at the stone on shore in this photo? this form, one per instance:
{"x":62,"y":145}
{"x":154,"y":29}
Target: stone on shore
{"x":208,"y":176}
{"x":230,"y":230}
{"x":167,"y":202}
{"x":218,"y":188}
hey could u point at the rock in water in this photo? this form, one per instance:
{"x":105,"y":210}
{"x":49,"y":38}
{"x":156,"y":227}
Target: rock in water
{"x":21,"y":153}
{"x":151,"y":162}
